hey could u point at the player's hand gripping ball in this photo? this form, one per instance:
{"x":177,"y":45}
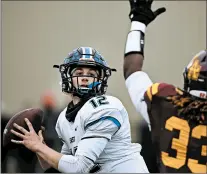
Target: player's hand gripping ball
{"x":35,"y":116}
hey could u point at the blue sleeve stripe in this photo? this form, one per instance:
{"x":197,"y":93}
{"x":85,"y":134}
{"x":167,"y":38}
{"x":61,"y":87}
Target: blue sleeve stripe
{"x":114,"y":120}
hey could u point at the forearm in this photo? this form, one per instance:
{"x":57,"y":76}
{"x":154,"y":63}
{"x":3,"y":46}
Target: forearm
{"x":44,"y":164}
{"x":49,"y":156}
{"x":64,"y":163}
{"x":134,"y":50}
{"x":132,"y":63}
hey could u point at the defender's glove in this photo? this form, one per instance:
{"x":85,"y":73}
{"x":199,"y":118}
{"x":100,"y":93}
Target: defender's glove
{"x":141,"y":11}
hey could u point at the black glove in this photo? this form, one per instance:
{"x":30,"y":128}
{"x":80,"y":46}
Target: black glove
{"x":141,"y":11}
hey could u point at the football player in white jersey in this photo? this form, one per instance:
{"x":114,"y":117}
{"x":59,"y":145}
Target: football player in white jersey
{"x":94,"y":127}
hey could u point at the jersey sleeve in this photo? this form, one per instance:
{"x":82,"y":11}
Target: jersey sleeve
{"x":99,"y":128}
{"x":137,"y":84}
{"x":103,"y":122}
{"x":65,"y":149}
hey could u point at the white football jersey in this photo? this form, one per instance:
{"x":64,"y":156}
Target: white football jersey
{"x":94,"y":120}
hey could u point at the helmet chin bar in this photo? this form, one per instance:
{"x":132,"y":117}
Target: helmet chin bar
{"x":94,"y":84}
{"x":84,"y":92}
{"x":89,"y":89}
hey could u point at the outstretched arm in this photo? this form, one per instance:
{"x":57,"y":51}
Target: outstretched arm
{"x":140,"y":15}
{"x":137,"y":81}
{"x":134,"y":50}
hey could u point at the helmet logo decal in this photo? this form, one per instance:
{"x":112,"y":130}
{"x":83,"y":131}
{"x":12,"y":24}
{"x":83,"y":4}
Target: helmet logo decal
{"x":194,"y":70}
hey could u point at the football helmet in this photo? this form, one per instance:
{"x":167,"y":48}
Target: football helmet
{"x":86,"y":57}
{"x":195,"y":75}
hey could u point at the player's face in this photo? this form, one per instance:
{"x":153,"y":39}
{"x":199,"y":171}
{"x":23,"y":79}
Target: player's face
{"x":84,"y":76}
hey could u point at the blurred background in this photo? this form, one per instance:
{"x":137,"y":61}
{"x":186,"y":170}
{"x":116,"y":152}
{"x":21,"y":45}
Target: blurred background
{"x":38,"y":34}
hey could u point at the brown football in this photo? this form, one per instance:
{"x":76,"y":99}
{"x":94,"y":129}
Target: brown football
{"x":35,"y":116}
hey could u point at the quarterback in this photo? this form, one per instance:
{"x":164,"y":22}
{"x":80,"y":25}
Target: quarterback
{"x":177,"y":118}
{"x":94,"y":127}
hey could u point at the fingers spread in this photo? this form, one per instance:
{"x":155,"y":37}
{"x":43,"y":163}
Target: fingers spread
{"x":29,"y":125}
{"x":23,"y":130}
{"x":159,"y":11}
{"x":18,"y":134}
{"x":17,"y":142}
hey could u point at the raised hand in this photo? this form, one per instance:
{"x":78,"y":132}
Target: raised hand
{"x":140,"y":10}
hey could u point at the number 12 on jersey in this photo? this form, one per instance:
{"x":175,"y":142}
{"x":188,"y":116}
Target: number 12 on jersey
{"x":98,"y":101}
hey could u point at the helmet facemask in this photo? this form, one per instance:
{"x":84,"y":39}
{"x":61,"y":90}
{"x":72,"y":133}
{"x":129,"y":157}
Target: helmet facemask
{"x":90,"y":88}
{"x":84,"y":57}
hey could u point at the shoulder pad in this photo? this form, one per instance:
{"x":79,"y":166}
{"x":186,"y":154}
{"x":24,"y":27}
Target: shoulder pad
{"x":162,"y":90}
{"x":102,"y":102}
{"x":101,"y":106}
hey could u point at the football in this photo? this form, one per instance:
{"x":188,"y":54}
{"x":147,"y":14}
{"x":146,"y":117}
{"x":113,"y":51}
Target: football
{"x":35,"y":116}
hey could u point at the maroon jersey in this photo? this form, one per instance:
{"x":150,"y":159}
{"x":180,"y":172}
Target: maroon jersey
{"x":181,"y":145}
